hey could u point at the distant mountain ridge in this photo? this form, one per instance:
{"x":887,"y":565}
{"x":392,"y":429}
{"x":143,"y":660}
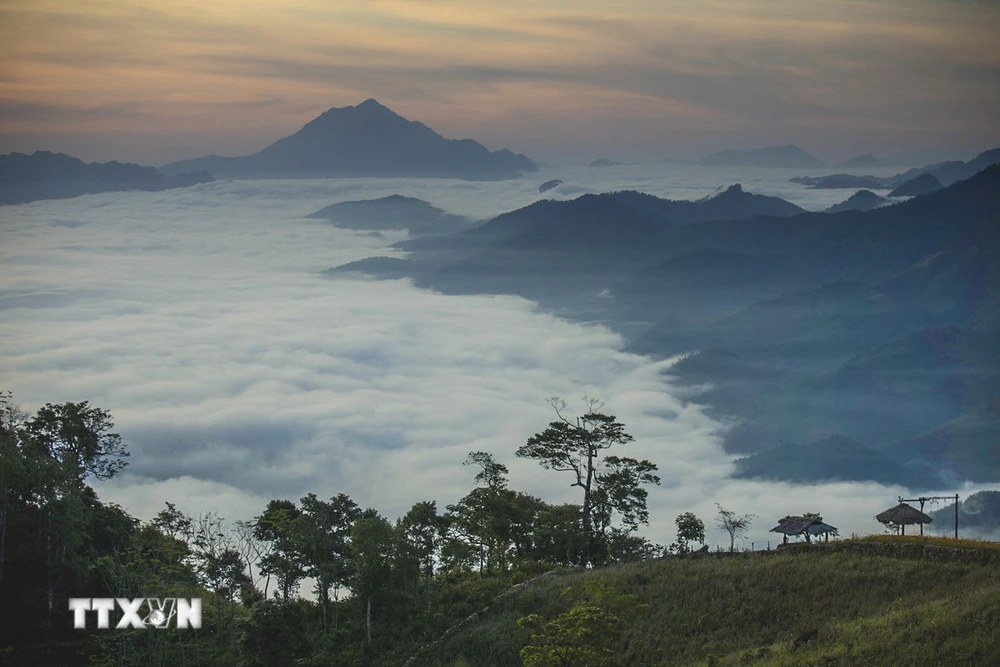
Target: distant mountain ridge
{"x":365,"y":140}
{"x":866,"y":160}
{"x":920,"y":185}
{"x":862,"y":200}
{"x":878,"y":326}
{"x":45,"y":175}
{"x":946,"y":173}
{"x":788,"y":157}
{"x":394,"y":212}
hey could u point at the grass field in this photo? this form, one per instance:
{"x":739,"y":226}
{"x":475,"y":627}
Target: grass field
{"x":844,"y":608}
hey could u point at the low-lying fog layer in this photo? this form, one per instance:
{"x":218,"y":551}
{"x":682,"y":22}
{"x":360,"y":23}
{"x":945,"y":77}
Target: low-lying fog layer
{"x":238,"y":373}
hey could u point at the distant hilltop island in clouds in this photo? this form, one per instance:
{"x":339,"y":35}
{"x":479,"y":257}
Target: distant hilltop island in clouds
{"x":867,"y":160}
{"x":785,"y":157}
{"x":45,"y":175}
{"x":942,"y":173}
{"x":365,"y":140}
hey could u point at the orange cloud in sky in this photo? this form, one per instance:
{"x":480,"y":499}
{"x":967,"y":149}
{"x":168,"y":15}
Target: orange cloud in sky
{"x":167,"y":76}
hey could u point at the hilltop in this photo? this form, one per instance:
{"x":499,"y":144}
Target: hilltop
{"x":365,"y":140}
{"x":943,"y":173}
{"x":839,"y":605}
{"x":394,"y":212}
{"x":45,"y":175}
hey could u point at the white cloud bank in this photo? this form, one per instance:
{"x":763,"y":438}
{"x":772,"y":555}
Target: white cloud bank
{"x":238,"y":374}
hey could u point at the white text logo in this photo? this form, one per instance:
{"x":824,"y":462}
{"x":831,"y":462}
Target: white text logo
{"x":138,"y":612}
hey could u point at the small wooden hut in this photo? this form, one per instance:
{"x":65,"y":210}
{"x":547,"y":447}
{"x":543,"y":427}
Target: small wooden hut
{"x":806,"y":526}
{"x":903,"y":515}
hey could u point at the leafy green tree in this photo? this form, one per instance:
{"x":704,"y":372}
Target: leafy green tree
{"x":421,"y":527}
{"x":15,"y":474}
{"x":608,"y":486}
{"x":590,"y":633}
{"x":493,"y":521}
{"x":51,"y":455}
{"x":558,"y":534}
{"x":79,"y":439}
{"x":173,"y":522}
{"x":322,"y":540}
{"x":494,"y":474}
{"x":373,"y":542}
{"x":689,"y":529}
{"x":278,"y":634}
{"x":277,"y":525}
{"x":584,"y":636}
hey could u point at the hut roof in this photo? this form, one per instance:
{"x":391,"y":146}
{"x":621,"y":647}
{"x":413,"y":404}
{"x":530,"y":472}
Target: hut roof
{"x":902,"y":514}
{"x":820,"y":528}
{"x":797,"y":525}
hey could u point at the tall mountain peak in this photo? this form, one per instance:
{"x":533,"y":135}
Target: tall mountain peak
{"x":369,"y":139}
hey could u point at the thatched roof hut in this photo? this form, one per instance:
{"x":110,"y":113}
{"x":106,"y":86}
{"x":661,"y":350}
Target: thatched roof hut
{"x":803,"y":525}
{"x":903,"y":515}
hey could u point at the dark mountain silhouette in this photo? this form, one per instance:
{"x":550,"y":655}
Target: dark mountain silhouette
{"x":383,"y":267}
{"x":834,"y":458}
{"x":548,"y":185}
{"x":393,"y":212}
{"x":45,"y":175}
{"x":882,"y":326}
{"x":966,"y":448}
{"x":953,"y":171}
{"x":947,"y":173}
{"x":979,"y":512}
{"x":896,"y":391}
{"x":726,"y":203}
{"x":921,"y":185}
{"x":791,"y":157}
{"x":611,"y":213}
{"x":862,"y":161}
{"x":841,"y":182}
{"x":862,"y":200}
{"x":365,"y":140}
{"x":604,"y":162}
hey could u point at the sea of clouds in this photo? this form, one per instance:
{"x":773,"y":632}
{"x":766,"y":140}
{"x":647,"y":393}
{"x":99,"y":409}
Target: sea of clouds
{"x":237,"y":372}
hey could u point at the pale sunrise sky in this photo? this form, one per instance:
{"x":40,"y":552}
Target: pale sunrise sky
{"x":159,"y":80}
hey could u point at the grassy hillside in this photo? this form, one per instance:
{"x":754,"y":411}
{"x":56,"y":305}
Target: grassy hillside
{"x":865,"y":609}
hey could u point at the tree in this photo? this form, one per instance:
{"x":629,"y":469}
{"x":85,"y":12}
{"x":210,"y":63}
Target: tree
{"x":78,"y":438}
{"x":493,"y":473}
{"x":584,"y":636}
{"x":15,"y":480}
{"x":421,"y":527}
{"x":492,"y":521}
{"x":373,"y":544}
{"x":689,"y":529}
{"x":277,"y":525}
{"x":558,"y":534}
{"x":57,"y":450}
{"x":588,"y":635}
{"x":735,"y":525}
{"x":173,"y":522}
{"x":322,"y":540}
{"x":576,"y":447}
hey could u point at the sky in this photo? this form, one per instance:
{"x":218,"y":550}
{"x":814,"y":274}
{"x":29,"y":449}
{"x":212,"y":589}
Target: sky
{"x":563,"y":81}
{"x":237,"y":373}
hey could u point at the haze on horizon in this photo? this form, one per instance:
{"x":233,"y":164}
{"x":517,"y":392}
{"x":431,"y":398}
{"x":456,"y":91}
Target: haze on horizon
{"x":153,"y":82}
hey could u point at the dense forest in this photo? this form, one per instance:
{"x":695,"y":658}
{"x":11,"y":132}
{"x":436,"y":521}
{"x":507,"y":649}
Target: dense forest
{"x":498,"y":578}
{"x":377,"y":589}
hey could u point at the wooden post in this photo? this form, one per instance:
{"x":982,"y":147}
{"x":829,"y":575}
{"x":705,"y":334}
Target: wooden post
{"x":956,"y":516}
